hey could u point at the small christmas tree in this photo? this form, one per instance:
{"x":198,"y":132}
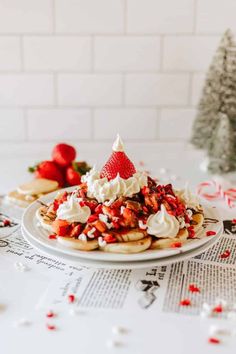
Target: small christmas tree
{"x":221,"y":150}
{"x":219,"y":93}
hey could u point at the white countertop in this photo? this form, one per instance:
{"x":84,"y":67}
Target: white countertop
{"x":88,"y":333}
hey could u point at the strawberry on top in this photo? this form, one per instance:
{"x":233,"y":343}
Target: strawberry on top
{"x":118,"y":163}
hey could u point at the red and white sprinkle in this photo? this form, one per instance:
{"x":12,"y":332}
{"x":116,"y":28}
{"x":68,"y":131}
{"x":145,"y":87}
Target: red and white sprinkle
{"x":193,"y":288}
{"x":185,"y":302}
{"x":21,"y":267}
{"x":50,"y":327}
{"x":213,"y":340}
{"x":71,"y":298}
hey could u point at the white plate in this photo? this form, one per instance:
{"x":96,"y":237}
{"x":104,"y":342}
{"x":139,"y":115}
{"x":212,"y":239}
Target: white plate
{"x":124,"y":265}
{"x":39,"y":235}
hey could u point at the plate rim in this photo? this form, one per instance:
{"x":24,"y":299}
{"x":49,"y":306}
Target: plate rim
{"x":125,"y":265}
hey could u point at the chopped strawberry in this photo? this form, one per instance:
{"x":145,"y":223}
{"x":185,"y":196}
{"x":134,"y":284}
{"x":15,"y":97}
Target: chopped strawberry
{"x":61,"y":227}
{"x":100,"y":226}
{"x":63,"y":154}
{"x":98,"y":209}
{"x":176,"y":245}
{"x":52,"y":237}
{"x":92,"y":218}
{"x":109,"y":238}
{"x":76,"y":230}
{"x":92,"y":204}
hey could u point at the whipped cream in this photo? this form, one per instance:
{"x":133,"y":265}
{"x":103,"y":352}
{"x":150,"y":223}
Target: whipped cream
{"x":162,"y":224}
{"x":102,"y":189}
{"x":71,"y":211}
{"x":118,"y":144}
{"x":190,"y":200}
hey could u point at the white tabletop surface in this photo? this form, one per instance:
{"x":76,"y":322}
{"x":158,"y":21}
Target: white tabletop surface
{"x":88,"y":333}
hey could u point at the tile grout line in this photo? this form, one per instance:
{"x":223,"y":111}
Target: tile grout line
{"x":195,"y":17}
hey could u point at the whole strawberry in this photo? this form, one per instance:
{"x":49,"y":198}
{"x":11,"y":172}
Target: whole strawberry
{"x":118,"y":163}
{"x":49,"y":170}
{"x":72,"y":176}
{"x":63,"y":154}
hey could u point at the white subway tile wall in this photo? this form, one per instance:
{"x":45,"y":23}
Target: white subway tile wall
{"x":81,"y":70}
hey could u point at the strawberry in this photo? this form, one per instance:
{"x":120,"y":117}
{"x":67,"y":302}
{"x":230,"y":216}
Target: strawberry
{"x":76,"y":231}
{"x":118,"y":163}
{"x":61,"y":227}
{"x":48,"y":170}
{"x":63,"y":154}
{"x":72,"y":176}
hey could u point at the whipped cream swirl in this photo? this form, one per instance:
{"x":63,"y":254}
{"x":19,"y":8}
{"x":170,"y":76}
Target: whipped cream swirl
{"x":102,"y":189}
{"x":190,"y":200}
{"x":71,"y":211}
{"x":162,"y":224}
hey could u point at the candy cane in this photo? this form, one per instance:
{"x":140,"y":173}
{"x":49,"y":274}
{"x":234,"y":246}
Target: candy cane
{"x":228,"y":195}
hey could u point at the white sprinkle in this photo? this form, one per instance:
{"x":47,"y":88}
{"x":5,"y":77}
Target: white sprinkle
{"x":101,"y":242}
{"x":22,"y":322}
{"x":111,"y":343}
{"x":91,"y":232}
{"x":122,"y":208}
{"x":189,"y":213}
{"x":118,"y":330}
{"x":219,"y":331}
{"x":21,"y":267}
{"x":104,"y":218}
{"x":82,"y":237}
{"x":109,"y":202}
{"x":163,"y":171}
{"x":231,"y":315}
{"x":38,"y":224}
{"x":141,"y":225}
{"x":206,"y":310}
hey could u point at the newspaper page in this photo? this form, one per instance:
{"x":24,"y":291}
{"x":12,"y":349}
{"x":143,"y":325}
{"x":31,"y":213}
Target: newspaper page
{"x":158,"y":288}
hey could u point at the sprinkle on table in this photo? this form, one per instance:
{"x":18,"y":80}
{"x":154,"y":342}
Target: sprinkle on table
{"x":71,"y":298}
{"x":185,"y":302}
{"x":213,"y":340}
{"x":193,"y":288}
{"x":50,"y":314}
{"x":210,"y":233}
{"x":50,"y":327}
{"x":225,"y":254}
{"x":217,"y":309}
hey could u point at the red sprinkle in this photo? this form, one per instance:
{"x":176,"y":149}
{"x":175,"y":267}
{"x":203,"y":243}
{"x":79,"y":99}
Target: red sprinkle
{"x":193,"y":288}
{"x":6,"y":222}
{"x":217,"y":309}
{"x":233,"y":221}
{"x":185,"y":302}
{"x":50,"y":314}
{"x":210,"y":233}
{"x":176,"y":245}
{"x":213,"y":340}
{"x":52,"y":237}
{"x":71,"y":298}
{"x":225,"y":254}
{"x":50,"y":327}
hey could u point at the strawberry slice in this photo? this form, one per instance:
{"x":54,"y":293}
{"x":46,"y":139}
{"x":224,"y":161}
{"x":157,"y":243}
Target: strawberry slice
{"x":61,"y":227}
{"x":118,"y":163}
